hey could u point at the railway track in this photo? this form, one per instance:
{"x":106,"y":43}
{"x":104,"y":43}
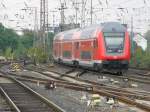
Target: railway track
{"x":104,"y":90}
{"x":143,"y":74}
{"x":24,"y":99}
{"x":4,"y":107}
{"x":134,"y":76}
{"x":144,"y":96}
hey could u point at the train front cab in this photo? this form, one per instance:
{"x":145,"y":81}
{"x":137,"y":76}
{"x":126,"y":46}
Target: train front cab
{"x":115,"y":47}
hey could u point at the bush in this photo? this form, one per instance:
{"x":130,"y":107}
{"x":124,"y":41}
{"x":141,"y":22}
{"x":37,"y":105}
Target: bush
{"x":140,"y":59}
{"x":37,"y":55}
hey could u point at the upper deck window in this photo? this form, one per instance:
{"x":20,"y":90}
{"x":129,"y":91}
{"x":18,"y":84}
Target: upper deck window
{"x":87,"y":33}
{"x":68,"y":36}
{"x":58,"y":36}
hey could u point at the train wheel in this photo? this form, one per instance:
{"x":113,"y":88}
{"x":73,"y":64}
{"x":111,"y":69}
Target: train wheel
{"x":59,"y":61}
{"x":76,"y":63}
{"x":96,"y":67}
{"x":119,"y":73}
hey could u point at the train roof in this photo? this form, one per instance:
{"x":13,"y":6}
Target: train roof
{"x":90,"y":31}
{"x":113,"y":27}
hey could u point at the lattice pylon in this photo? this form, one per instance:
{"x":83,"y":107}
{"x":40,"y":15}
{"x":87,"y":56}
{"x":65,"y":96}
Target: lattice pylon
{"x":43,"y":22}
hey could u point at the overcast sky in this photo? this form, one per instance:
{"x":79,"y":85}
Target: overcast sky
{"x":11,"y":10}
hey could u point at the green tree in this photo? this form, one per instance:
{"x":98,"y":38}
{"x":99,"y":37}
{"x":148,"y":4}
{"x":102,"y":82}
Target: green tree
{"x":8,"y":38}
{"x":8,"y":53}
{"x":27,"y":38}
{"x":142,"y":58}
{"x":147,"y":36}
{"x":50,"y":44}
{"x":37,"y":55}
{"x":17,"y":46}
{"x":20,"y":52}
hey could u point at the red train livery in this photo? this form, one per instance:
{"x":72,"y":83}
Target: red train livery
{"x":103,"y":46}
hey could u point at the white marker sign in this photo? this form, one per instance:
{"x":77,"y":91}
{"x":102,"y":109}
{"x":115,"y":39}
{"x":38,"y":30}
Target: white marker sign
{"x":141,"y":41}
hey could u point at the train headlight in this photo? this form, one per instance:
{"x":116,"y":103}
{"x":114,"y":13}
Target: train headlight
{"x":109,"y":50}
{"x":120,"y":51}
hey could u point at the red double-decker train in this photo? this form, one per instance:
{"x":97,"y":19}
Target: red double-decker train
{"x":102,"y":47}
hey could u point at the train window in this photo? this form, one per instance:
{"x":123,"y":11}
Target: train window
{"x":95,"y":43}
{"x":112,"y":34}
{"x":87,"y":33}
{"x":77,"y":45}
{"x":68,"y":36}
{"x":86,"y":55}
{"x":114,"y":42}
{"x":58,"y":36}
{"x":67,"y":54}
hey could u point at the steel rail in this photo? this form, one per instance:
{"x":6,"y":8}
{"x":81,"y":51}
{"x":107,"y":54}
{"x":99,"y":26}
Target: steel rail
{"x":43,"y":99}
{"x":9,"y":100}
{"x":55,"y":107}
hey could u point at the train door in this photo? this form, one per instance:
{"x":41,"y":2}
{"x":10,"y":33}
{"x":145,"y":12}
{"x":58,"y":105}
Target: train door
{"x":76,"y":50}
{"x":95,"y":51}
{"x":86,"y":50}
{"x":67,"y":50}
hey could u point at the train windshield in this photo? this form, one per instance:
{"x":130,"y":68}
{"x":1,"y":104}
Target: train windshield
{"x":114,"y":42}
